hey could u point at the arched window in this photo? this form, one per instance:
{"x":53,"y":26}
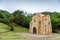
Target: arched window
{"x":34,"y":20}
{"x":39,"y":22}
{"x":49,"y":22}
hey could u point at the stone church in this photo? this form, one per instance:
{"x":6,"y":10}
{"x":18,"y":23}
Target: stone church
{"x":40,"y":24}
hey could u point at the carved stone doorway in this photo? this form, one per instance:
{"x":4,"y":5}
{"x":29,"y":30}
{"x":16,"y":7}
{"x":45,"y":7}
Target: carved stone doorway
{"x":34,"y":30}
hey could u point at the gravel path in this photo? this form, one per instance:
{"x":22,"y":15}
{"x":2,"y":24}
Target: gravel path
{"x":34,"y":36}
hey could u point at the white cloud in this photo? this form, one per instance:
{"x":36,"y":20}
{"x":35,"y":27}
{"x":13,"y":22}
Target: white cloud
{"x":34,"y":6}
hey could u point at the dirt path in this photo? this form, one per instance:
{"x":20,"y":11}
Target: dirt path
{"x":4,"y":32}
{"x":34,"y":36}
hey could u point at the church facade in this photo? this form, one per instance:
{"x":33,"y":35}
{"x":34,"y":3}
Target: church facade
{"x":40,"y":24}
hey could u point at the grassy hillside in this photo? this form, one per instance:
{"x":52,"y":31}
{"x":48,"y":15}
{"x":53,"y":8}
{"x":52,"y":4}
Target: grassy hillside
{"x":20,"y":29}
{"x":11,"y":35}
{"x":4,"y":27}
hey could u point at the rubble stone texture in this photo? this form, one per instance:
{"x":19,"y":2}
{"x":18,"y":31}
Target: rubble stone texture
{"x":40,"y":24}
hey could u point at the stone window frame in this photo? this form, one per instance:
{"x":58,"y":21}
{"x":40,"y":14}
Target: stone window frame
{"x":34,"y":20}
{"x":48,"y":22}
{"x":40,"y":22}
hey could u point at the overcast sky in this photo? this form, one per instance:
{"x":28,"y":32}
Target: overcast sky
{"x":30,"y":5}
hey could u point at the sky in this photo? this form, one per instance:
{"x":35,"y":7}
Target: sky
{"x":30,"y":5}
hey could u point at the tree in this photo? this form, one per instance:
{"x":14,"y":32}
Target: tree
{"x":19,"y":17}
{"x":4,"y":16}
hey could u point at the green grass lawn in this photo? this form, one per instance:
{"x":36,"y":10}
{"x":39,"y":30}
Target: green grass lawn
{"x":4,"y":27}
{"x":3,"y":30}
{"x":20,"y":29}
{"x":11,"y":35}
